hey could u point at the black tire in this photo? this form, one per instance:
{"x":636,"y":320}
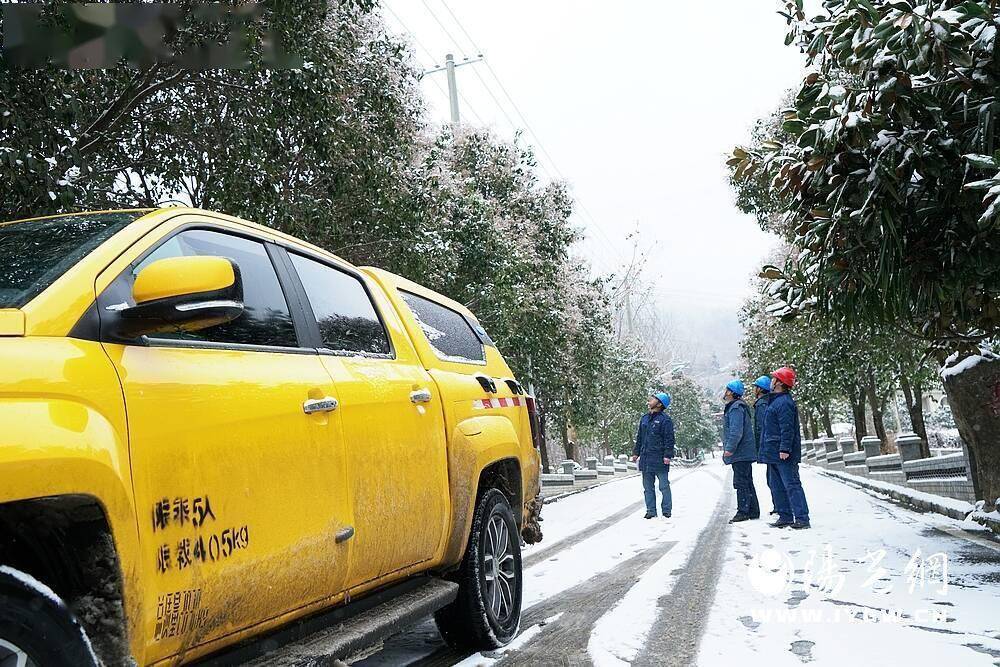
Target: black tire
{"x":476,"y":620}
{"x":36,"y":623}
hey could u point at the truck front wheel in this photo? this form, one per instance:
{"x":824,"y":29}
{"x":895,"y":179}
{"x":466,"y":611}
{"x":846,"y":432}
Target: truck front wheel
{"x":36,"y":627}
{"x":487,"y":613}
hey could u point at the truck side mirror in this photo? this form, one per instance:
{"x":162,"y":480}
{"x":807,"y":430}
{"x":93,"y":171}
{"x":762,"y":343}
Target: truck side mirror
{"x":183,"y":294}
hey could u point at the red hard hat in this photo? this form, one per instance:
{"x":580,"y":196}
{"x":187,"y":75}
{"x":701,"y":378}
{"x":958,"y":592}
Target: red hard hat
{"x":785,"y":376}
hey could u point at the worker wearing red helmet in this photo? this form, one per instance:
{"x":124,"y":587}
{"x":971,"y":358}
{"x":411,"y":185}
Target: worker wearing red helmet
{"x":781,"y":450}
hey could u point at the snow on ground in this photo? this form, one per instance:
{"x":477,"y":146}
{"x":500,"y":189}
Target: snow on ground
{"x":960,"y":506}
{"x":574,"y":513}
{"x":620,"y":634}
{"x":870,"y":579}
{"x":694,"y":498}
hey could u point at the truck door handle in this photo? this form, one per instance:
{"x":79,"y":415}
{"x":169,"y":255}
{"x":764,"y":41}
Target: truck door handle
{"x":314,"y":405}
{"x":421,"y":396}
{"x":344,"y":535}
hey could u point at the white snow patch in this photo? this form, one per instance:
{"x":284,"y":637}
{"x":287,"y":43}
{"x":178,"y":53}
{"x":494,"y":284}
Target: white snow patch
{"x":954,"y":367}
{"x":571,"y":515}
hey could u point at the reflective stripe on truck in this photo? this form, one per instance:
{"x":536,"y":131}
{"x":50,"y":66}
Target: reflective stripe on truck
{"x":490,"y":403}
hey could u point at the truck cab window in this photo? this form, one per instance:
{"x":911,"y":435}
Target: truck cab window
{"x":347,"y":319}
{"x":448,"y":332}
{"x":266,"y":319}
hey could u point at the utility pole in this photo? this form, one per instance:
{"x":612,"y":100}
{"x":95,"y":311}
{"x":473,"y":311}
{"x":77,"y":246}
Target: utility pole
{"x":449,"y":67}
{"x":629,"y":323}
{"x":449,"y":64}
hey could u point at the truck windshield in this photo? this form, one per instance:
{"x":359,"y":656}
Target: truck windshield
{"x":34,"y":253}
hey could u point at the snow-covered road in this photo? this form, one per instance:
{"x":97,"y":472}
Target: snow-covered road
{"x":872,"y":583}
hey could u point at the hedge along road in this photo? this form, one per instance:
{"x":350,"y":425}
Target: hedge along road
{"x":601,"y":570}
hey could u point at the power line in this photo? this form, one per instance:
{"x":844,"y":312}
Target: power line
{"x":475,"y":71}
{"x":584,"y":210}
{"x":412,"y":34}
{"x":459,"y":24}
{"x":445,"y":29}
{"x":428,"y":53}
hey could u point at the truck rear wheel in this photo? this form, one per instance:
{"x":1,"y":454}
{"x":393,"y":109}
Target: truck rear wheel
{"x":487,"y":613}
{"x":36,"y":627}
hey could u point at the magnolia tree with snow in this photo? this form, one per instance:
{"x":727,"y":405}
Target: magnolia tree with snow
{"x":861,"y":366}
{"x":886,"y":181}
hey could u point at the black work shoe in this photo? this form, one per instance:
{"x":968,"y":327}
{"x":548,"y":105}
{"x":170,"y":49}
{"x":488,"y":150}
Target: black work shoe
{"x":780,"y":524}
{"x":754,"y":517}
{"x":739,"y":517}
{"x":666,"y":515}
{"x":800,"y":525}
{"x":650,"y":515}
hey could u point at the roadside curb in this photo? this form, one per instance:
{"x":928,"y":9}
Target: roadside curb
{"x":955,"y":509}
{"x":988,"y":521}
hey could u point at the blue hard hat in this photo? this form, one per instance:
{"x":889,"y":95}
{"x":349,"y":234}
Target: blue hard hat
{"x":764,"y":382}
{"x":663,"y":398}
{"x":736,"y":387}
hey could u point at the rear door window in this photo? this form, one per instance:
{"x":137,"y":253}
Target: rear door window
{"x":347,"y":319}
{"x":448,"y":331}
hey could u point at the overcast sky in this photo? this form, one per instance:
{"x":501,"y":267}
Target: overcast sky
{"x":636,"y":103}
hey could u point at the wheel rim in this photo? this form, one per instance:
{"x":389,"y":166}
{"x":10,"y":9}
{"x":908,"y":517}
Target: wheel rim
{"x":498,"y":568}
{"x":14,"y":656}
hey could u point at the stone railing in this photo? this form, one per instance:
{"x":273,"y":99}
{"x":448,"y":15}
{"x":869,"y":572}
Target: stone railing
{"x":835,"y":459}
{"x":944,"y":474}
{"x":807,"y":451}
{"x":854,"y":463}
{"x":686,"y":463}
{"x":886,"y":468}
{"x":821,"y":450}
{"x":945,"y":451}
{"x":572,"y":477}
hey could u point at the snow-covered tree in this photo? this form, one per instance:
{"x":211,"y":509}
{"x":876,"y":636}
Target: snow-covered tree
{"x":888,"y":185}
{"x":691,"y":409}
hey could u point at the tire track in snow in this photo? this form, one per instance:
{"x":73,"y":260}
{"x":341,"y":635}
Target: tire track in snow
{"x":565,"y":641}
{"x":447,"y":656}
{"x":685,"y":608}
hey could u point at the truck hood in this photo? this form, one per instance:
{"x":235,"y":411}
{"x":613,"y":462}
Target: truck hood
{"x":11,"y":322}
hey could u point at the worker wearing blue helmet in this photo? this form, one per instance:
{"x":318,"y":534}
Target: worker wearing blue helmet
{"x":654,"y":448}
{"x":739,"y":451}
{"x":762,"y":398}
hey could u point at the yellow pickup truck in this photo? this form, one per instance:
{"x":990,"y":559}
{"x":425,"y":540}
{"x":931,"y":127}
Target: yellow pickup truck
{"x":216,"y":439}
